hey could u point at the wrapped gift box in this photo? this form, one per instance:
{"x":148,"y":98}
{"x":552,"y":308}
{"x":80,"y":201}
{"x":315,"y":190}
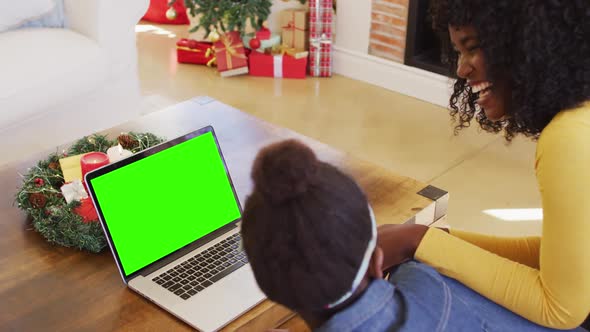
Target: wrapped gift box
{"x":320,"y":38}
{"x":294,"y":25}
{"x":321,"y":57}
{"x":192,"y":51}
{"x":269,"y":65}
{"x":230,"y":55}
{"x":71,"y":168}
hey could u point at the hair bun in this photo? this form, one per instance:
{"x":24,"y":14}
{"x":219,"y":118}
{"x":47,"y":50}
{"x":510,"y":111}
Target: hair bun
{"x":284,"y":170}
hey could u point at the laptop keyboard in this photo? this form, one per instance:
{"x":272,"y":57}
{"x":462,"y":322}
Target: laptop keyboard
{"x":204,"y":269}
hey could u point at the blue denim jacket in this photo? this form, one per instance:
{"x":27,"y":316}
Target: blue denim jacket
{"x":418,"y":298}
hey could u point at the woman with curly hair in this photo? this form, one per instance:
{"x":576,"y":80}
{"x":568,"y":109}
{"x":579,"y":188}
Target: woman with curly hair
{"x":523,"y":67}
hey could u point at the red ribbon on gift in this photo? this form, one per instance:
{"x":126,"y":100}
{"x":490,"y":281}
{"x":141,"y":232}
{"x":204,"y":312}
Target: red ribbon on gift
{"x":292,"y":27}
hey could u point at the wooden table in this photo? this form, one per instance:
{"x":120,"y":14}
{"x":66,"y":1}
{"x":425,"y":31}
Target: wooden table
{"x":50,"y":288}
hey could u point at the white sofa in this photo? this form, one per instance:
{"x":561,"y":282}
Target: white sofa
{"x":57,"y":85}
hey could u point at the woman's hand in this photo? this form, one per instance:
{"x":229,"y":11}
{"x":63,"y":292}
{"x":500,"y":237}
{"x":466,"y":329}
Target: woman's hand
{"x":399,"y":242}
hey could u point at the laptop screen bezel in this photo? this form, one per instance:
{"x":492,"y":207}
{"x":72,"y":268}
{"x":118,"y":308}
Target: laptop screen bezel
{"x":139,"y":156}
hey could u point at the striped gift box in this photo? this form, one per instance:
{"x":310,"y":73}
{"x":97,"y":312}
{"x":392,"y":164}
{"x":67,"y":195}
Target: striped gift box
{"x":321,"y":57}
{"x":320,"y":37}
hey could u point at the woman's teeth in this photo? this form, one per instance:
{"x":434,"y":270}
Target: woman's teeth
{"x":481,"y":86}
{"x":484,"y":93}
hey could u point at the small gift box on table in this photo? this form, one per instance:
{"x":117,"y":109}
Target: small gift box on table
{"x":320,"y":38}
{"x":279,"y":65}
{"x":192,"y":51}
{"x":294,"y":24}
{"x":230,"y":55}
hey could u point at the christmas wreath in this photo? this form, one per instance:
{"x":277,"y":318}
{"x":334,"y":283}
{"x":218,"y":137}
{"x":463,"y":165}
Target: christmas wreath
{"x":69,"y":224}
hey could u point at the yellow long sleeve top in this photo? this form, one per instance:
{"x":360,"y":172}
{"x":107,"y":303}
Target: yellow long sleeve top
{"x":547,"y":279}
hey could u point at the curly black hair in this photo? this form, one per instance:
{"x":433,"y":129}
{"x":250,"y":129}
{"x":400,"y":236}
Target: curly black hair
{"x":539,"y":49}
{"x":305,"y":227}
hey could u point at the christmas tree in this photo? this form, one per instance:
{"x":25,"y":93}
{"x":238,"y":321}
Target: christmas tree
{"x":227,"y":15}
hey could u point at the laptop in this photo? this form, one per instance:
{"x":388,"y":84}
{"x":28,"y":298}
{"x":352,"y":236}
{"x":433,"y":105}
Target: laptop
{"x":171,"y":217}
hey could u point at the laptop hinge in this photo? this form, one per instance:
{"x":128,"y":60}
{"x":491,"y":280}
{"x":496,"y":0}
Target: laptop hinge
{"x":187,"y":249}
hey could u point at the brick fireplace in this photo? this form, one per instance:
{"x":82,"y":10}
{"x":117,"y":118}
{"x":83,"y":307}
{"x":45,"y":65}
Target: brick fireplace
{"x":401,"y":32}
{"x":389,"y":21}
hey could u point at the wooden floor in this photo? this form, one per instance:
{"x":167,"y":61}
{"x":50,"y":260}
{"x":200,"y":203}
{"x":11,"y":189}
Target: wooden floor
{"x":403,"y":134}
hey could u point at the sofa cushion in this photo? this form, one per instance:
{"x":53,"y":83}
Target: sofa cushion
{"x":15,"y":13}
{"x":54,"y":19}
{"x":42,"y":67}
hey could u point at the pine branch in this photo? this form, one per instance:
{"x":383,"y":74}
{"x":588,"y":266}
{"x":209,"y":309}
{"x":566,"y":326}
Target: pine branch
{"x":98,"y":143}
{"x":228,"y":15}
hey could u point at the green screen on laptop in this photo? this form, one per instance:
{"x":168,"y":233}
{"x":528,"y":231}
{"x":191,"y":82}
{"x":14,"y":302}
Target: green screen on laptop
{"x":161,"y":203}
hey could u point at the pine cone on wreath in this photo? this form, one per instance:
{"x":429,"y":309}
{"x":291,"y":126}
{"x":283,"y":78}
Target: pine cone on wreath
{"x":127,"y":142}
{"x":37,"y":200}
{"x":54,"y":165}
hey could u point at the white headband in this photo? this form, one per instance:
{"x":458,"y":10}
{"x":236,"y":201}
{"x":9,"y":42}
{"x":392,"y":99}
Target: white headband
{"x":364,"y":264}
